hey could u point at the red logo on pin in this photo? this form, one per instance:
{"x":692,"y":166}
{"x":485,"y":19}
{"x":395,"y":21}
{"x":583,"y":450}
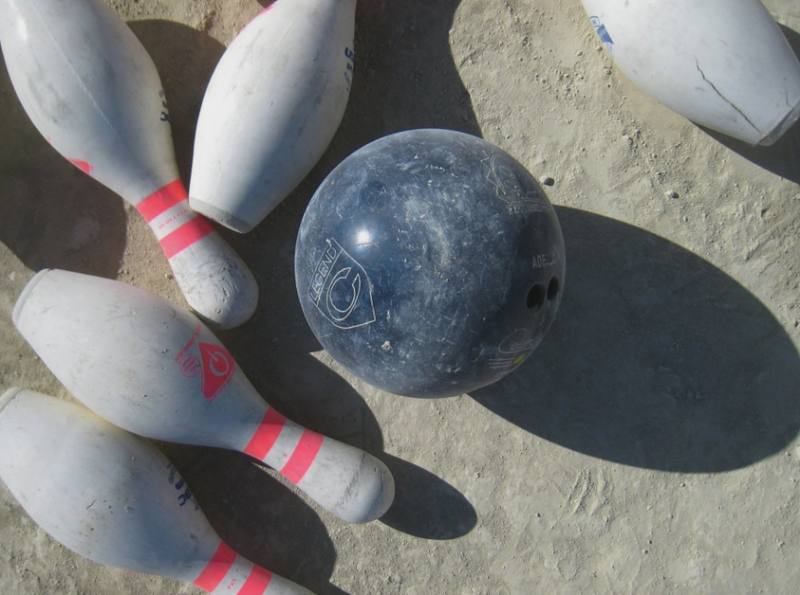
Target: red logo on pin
{"x":218,"y":367}
{"x":215,"y":364}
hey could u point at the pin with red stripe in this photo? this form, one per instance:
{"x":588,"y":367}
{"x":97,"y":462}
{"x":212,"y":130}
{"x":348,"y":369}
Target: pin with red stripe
{"x":292,"y":461}
{"x":159,"y":372}
{"x":149,"y":523}
{"x":227,"y":572}
{"x":116,"y":130}
{"x":175,"y":225}
{"x":216,"y":569}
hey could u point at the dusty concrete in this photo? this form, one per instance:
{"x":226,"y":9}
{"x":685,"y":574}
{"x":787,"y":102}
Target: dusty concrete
{"x":650,"y":443}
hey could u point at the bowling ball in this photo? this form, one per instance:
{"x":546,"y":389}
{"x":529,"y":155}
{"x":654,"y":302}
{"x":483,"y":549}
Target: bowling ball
{"x":429,"y":263}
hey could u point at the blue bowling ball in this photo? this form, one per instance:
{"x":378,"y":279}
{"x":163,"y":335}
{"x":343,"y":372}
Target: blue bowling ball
{"x":430,"y":263}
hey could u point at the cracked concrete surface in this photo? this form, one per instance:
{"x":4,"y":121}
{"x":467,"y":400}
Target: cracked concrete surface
{"x":650,"y":443}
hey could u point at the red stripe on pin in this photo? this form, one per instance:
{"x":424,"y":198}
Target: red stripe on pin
{"x":217,"y":568}
{"x":257,"y":582}
{"x":266,"y":435}
{"x":303,"y":456}
{"x":186,"y":235}
{"x":162,"y":199}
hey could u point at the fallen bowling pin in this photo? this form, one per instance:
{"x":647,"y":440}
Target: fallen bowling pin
{"x":271,"y":109}
{"x":144,"y":365}
{"x":91,"y":89}
{"x":115,"y":499}
{"x":724,"y":65}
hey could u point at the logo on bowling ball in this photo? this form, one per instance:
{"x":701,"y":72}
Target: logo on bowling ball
{"x":541,"y":261}
{"x":212,"y":362}
{"x":514,"y":349}
{"x":341,"y":289}
{"x":508,"y":187}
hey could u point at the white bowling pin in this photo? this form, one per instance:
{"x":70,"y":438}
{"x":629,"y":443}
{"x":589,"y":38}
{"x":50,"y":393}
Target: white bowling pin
{"x":157,"y":371}
{"x":271,"y":109}
{"x":92,"y":90}
{"x":115,"y":499}
{"x":724,"y":64}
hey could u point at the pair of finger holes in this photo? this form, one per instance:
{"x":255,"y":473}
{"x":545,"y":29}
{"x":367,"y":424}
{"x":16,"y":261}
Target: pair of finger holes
{"x":538,"y":294}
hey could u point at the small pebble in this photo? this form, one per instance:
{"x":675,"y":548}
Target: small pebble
{"x":548,"y":181}
{"x":672,"y":194}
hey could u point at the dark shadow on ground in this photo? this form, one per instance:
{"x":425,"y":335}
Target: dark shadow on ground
{"x":782,"y":158}
{"x":426,"y":506}
{"x":52,"y":215}
{"x":405,"y":74}
{"x":657,"y":359}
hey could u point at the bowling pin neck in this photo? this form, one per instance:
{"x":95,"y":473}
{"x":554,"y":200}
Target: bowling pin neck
{"x":175,"y":224}
{"x":231,"y":574}
{"x":784,"y":126}
{"x":214,"y":280}
{"x":284,"y":445}
{"x":344,"y":480}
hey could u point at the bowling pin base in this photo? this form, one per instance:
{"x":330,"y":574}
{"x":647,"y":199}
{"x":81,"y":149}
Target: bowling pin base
{"x":222,"y":217}
{"x":788,"y":122}
{"x":271,"y":108}
{"x":726,"y":66}
{"x":23,"y":298}
{"x":7,"y":396}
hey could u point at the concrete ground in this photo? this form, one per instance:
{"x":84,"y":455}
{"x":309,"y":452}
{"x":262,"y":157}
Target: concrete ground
{"x":648,"y":446}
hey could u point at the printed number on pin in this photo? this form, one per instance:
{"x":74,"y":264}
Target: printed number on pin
{"x":164,"y":109}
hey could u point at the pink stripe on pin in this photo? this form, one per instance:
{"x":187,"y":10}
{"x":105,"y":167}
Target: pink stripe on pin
{"x":303,"y":456}
{"x":217,"y":568}
{"x":266,"y":435}
{"x":257,"y":582}
{"x":186,"y":235}
{"x":162,"y":199}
